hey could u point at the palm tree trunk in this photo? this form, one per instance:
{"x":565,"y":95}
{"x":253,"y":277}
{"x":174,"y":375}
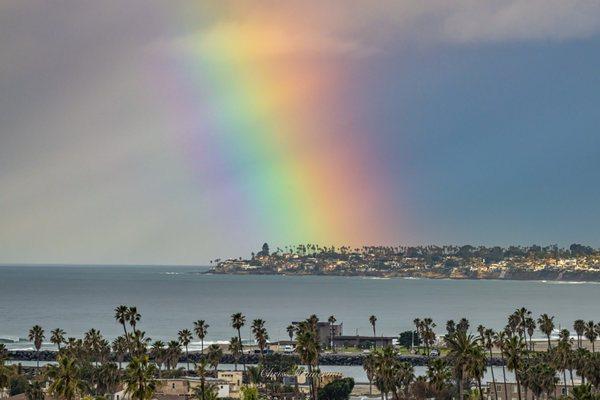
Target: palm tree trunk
{"x":311,"y":382}
{"x":571,"y":375}
{"x":504,"y":377}
{"x":187,"y":358}
{"x":374,"y":338}
{"x":493,"y":378}
{"x":242,"y":349}
{"x":479,"y":387}
{"x":565,"y":380}
{"x":518,"y":384}
{"x":549,"y":344}
{"x":459,"y":382}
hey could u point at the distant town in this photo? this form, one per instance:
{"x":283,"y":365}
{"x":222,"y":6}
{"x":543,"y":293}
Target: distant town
{"x":575,"y":263}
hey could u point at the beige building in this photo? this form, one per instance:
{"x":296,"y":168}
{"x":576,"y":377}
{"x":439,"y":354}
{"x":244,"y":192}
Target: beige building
{"x":513,"y":394}
{"x":234,"y":380}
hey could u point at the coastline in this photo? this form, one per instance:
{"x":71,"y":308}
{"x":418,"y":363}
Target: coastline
{"x":565,"y":277}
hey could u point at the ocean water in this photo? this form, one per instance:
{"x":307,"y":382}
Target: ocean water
{"x":77,"y":298}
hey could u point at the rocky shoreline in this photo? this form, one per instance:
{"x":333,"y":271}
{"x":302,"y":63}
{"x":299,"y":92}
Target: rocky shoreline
{"x":548,"y":275}
{"x":324,"y":359}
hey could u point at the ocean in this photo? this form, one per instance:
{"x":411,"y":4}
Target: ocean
{"x":77,"y":298}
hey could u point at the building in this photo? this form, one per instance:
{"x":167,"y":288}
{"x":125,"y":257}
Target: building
{"x":363,"y":341}
{"x":513,"y":393}
{"x":326,"y":332}
{"x":183,"y":388}
{"x":234,"y":379}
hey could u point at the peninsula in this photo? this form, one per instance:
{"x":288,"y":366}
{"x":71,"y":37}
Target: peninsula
{"x":575,"y":263}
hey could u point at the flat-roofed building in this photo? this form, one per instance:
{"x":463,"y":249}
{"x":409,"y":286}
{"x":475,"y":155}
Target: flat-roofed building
{"x":362,"y":341}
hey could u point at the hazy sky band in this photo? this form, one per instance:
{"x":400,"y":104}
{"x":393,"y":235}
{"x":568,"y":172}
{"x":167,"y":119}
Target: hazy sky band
{"x":172,"y":133}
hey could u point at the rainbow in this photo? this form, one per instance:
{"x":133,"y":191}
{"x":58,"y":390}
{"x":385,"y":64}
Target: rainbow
{"x":253,"y":125}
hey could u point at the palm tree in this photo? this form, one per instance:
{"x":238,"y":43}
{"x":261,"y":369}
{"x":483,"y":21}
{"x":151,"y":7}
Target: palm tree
{"x":463,"y":325}
{"x":173,"y":354}
{"x":546,"y":325}
{"x":591,"y":369}
{"x":562,"y":355}
{"x":450,"y":327}
{"x":373,"y":321}
{"x":158,"y":353}
{"x":138,"y":342}
{"x":522,"y":314}
{"x":579,"y":328}
{"x":369,"y":365}
{"x":290,"y":331}
{"x":91,"y":341}
{"x":487,"y":340}
{"x":139,"y":378}
{"x":307,"y":348}
{"x":58,"y":337}
{"x":185,"y":337}
{"x":583,"y":392}
{"x":201,"y":329}
{"x":580,"y":361}
{"x":237,"y":322}
{"x":591,"y":333}
{"x":119,"y":348}
{"x":438,"y":374}
{"x":34,"y":391}
{"x":3,"y":353}
{"x":386,"y":365}
{"x":405,"y":375}
{"x":235,"y":348}
{"x":36,"y":335}
{"x":108,"y":379}
{"x":104,"y":351}
{"x":547,"y":377}
{"x":514,"y":348}
{"x":477,"y":366}
{"x":260,"y":334}
{"x":542,"y":378}
{"x":66,"y":383}
{"x":331,"y":321}
{"x":121,"y":316}
{"x":499,"y":342}
{"x":461,"y":347}
{"x":133,"y":316}
{"x":206,"y":392}
{"x":530,"y":327}
{"x":428,"y":334}
{"x":214,"y":355}
{"x":5,"y":376}
{"x":419,"y":328}
{"x":201,"y":373}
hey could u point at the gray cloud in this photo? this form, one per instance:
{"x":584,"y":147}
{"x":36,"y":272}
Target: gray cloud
{"x":90,"y":173}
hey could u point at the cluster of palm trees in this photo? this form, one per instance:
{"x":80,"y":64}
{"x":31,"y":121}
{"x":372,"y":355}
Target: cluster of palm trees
{"x":467,"y":357}
{"x":92,"y":365}
{"x":389,"y":374}
{"x":425,"y":332}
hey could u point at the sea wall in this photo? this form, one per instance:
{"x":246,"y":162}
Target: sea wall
{"x":324,"y":359}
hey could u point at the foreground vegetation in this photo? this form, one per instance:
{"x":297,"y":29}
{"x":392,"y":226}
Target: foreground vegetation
{"x":94,"y":367}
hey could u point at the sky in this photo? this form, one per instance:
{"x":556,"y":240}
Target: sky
{"x":153,"y":132}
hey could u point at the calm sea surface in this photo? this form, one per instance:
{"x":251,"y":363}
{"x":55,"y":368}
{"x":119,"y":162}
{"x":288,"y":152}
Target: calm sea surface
{"x":77,"y":298}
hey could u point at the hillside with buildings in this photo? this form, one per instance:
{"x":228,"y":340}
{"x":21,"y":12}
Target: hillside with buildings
{"x":576,"y":263}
